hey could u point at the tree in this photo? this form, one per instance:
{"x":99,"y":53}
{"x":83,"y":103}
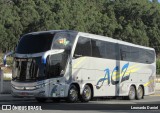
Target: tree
{"x":135,"y":21}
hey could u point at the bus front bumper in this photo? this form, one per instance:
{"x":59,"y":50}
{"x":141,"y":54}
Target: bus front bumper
{"x":28,"y":93}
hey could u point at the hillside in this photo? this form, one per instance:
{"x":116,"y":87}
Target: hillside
{"x":135,"y":21}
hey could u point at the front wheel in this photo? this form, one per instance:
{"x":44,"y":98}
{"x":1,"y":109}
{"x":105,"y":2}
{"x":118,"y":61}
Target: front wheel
{"x":132,"y":93}
{"x":41,"y":99}
{"x":72,"y":94}
{"x":86,"y":94}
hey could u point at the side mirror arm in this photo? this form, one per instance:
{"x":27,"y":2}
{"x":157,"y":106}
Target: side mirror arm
{"x":50,"y":52}
{"x":5,"y":58}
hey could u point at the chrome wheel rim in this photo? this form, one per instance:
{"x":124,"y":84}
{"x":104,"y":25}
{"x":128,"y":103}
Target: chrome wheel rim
{"x":87,"y":93}
{"x":140,"y":92}
{"x":132,"y":93}
{"x":73,"y":94}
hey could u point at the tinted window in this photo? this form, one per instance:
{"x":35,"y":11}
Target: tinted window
{"x":63,"y":40}
{"x":111,"y":50}
{"x":104,"y":49}
{"x":83,"y":47}
{"x":135,"y":54}
{"x":98,"y":48}
{"x":35,"y":43}
{"x":56,"y":65}
{"x":125,"y":53}
{"x":146,"y":56}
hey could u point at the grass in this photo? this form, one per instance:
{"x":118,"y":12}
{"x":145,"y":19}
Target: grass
{"x":158,"y":66}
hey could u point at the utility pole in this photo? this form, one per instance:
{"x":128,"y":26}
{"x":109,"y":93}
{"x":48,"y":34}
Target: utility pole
{"x":1,"y":78}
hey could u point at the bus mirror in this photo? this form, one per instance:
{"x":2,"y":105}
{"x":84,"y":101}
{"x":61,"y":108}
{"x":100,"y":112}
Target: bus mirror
{"x":5,"y":58}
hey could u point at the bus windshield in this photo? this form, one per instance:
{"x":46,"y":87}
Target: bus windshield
{"x":35,"y":43}
{"x":32,"y":69}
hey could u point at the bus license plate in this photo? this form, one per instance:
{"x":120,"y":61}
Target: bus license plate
{"x":24,"y":94}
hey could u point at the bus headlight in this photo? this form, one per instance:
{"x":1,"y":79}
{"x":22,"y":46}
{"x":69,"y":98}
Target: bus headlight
{"x":18,"y":87}
{"x":41,"y":85}
{"x":30,"y":88}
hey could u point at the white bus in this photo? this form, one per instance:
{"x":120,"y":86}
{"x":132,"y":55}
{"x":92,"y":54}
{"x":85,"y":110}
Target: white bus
{"x":79,"y":66}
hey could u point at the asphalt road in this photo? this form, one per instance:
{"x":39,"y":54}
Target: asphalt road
{"x":97,"y":105}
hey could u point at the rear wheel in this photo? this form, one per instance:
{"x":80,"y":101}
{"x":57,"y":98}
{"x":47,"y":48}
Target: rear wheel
{"x":72,"y":94}
{"x":41,"y":99}
{"x":132,"y":93}
{"x":140,"y":92}
{"x":86,"y":94}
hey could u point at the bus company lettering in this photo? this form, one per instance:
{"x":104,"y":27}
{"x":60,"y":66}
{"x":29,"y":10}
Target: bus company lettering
{"x":114,"y":77}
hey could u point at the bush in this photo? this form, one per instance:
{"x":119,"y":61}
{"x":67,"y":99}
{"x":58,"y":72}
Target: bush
{"x":9,"y":62}
{"x":9,"y":59}
{"x":158,"y":66}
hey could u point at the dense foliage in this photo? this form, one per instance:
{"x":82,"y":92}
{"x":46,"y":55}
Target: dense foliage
{"x":136,"y":21}
{"x":158,"y":67}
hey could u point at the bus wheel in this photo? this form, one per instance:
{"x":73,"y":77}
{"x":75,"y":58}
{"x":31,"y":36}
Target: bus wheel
{"x":86,"y":94}
{"x":132,"y":93}
{"x":140,"y":92}
{"x":72,"y":94}
{"x":41,"y":99}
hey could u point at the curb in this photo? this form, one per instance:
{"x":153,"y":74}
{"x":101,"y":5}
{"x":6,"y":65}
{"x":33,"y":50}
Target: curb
{"x":9,"y":97}
{"x":17,"y":100}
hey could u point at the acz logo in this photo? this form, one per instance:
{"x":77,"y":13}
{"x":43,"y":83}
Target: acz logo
{"x":114,"y":77}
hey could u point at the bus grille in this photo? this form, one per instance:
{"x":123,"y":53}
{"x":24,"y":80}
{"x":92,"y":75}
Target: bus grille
{"x":28,"y":70}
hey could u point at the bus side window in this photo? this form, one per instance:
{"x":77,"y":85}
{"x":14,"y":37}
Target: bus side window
{"x":148,"y":56}
{"x":98,"y":48}
{"x":134,"y":54}
{"x":125,"y":52}
{"x":111,"y":51}
{"x":56,"y":65}
{"x":83,"y":47}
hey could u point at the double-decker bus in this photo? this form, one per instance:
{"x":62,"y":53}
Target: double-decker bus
{"x":79,"y":66}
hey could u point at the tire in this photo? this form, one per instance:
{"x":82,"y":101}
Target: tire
{"x":132,"y":93}
{"x":140,"y":92}
{"x":72,"y":94}
{"x":86,"y":94}
{"x":41,"y":100}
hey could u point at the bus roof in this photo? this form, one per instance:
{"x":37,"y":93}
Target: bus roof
{"x":100,"y":37}
{"x":94,"y":36}
{"x":52,"y":31}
